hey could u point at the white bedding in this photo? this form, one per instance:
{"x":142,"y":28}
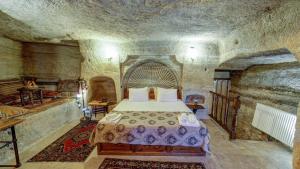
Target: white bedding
{"x":152,"y":105}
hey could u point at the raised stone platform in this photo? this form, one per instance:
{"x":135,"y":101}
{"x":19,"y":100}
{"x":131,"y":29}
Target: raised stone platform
{"x":39,"y":124}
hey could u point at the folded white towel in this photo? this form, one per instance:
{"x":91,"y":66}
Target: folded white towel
{"x":192,"y":119}
{"x":183,"y":118}
{"x":188,"y":120}
{"x":111,"y":118}
{"x":116,"y":120}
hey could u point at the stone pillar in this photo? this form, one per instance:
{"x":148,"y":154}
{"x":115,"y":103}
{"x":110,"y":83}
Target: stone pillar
{"x":296,"y":150}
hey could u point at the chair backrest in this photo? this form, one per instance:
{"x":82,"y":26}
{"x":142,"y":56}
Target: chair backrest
{"x":195,"y":97}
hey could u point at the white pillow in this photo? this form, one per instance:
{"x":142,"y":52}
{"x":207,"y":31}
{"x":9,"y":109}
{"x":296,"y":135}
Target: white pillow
{"x":138,"y":94}
{"x":166,"y":95}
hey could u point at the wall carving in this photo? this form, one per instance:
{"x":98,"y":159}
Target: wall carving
{"x":152,"y":71}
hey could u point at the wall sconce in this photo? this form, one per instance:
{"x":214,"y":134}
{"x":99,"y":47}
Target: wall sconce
{"x":110,"y":52}
{"x":192,"y":53}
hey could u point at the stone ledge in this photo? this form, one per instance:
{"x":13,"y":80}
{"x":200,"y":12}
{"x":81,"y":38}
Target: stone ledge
{"x":39,"y":124}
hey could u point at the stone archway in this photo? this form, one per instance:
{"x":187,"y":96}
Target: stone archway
{"x":242,"y":62}
{"x":268,"y":78}
{"x":293,"y":48}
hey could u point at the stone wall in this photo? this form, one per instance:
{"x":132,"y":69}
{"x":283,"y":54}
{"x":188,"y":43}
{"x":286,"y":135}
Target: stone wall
{"x":199,"y":60}
{"x":276,"y":85}
{"x":277,"y":28}
{"x":52,"y":60}
{"x":38,"y":125}
{"x":10,"y":59}
{"x":100,"y":59}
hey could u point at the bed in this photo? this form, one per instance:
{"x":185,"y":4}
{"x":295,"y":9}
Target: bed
{"x":150,"y":128}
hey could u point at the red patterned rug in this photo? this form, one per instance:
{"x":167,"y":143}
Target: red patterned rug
{"x":73,"y":146}
{"x":111,"y":163}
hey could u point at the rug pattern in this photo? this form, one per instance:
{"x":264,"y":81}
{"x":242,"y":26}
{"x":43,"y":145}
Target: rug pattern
{"x":111,"y":163}
{"x":73,"y":146}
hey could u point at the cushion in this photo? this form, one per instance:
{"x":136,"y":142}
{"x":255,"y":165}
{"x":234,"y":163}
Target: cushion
{"x":10,"y":99}
{"x":11,"y":111}
{"x":153,"y":93}
{"x":166,"y":95}
{"x":138,"y":94}
{"x":49,"y":93}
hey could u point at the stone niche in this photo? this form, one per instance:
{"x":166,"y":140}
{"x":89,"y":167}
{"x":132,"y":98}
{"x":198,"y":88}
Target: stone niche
{"x":102,"y":88}
{"x":276,"y":85}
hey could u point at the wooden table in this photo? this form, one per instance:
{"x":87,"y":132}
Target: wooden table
{"x":194,"y":106}
{"x":98,"y":106}
{"x":31,"y":93}
{"x":6,"y":124}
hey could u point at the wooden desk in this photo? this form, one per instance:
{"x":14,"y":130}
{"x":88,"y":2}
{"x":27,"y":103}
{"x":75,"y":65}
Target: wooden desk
{"x":98,"y":106}
{"x":194,"y":106}
{"x":10,"y":123}
{"x":31,"y":93}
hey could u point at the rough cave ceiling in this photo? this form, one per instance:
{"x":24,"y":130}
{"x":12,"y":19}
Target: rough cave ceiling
{"x":126,"y":20}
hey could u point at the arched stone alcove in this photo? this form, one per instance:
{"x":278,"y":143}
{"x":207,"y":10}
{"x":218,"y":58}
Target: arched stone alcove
{"x":102,"y":87}
{"x":289,"y":55}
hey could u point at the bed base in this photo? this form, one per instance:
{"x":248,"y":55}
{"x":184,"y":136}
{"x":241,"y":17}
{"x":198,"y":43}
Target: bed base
{"x":148,"y":150}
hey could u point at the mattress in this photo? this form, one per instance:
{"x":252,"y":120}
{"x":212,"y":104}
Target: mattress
{"x":152,"y":105}
{"x":151,"y":123}
{"x":151,"y":128}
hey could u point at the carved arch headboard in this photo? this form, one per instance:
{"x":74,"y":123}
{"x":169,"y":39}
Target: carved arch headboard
{"x":151,"y":71}
{"x":152,"y":74}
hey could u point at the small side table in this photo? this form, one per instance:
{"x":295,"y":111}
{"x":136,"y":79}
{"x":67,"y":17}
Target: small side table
{"x":98,"y":106}
{"x":10,"y":123}
{"x":194,"y":106}
{"x":31,"y":93}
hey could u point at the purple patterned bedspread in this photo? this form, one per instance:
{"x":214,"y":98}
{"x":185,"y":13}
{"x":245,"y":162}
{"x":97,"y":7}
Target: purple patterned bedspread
{"x":151,"y":128}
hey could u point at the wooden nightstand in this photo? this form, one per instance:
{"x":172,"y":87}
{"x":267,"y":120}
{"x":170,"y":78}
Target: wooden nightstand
{"x":194,"y":106}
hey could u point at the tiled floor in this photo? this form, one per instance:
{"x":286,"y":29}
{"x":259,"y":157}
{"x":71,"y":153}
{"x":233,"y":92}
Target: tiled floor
{"x":238,"y":154}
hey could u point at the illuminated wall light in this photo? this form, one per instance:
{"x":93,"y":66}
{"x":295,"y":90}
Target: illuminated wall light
{"x":192,"y":53}
{"x":110,"y":52}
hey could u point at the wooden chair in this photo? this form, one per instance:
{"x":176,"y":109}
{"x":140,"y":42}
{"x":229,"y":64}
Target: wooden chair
{"x":103,"y":90}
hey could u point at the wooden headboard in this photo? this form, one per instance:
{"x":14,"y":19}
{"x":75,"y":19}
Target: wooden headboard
{"x":151,"y":71}
{"x":151,"y":93}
